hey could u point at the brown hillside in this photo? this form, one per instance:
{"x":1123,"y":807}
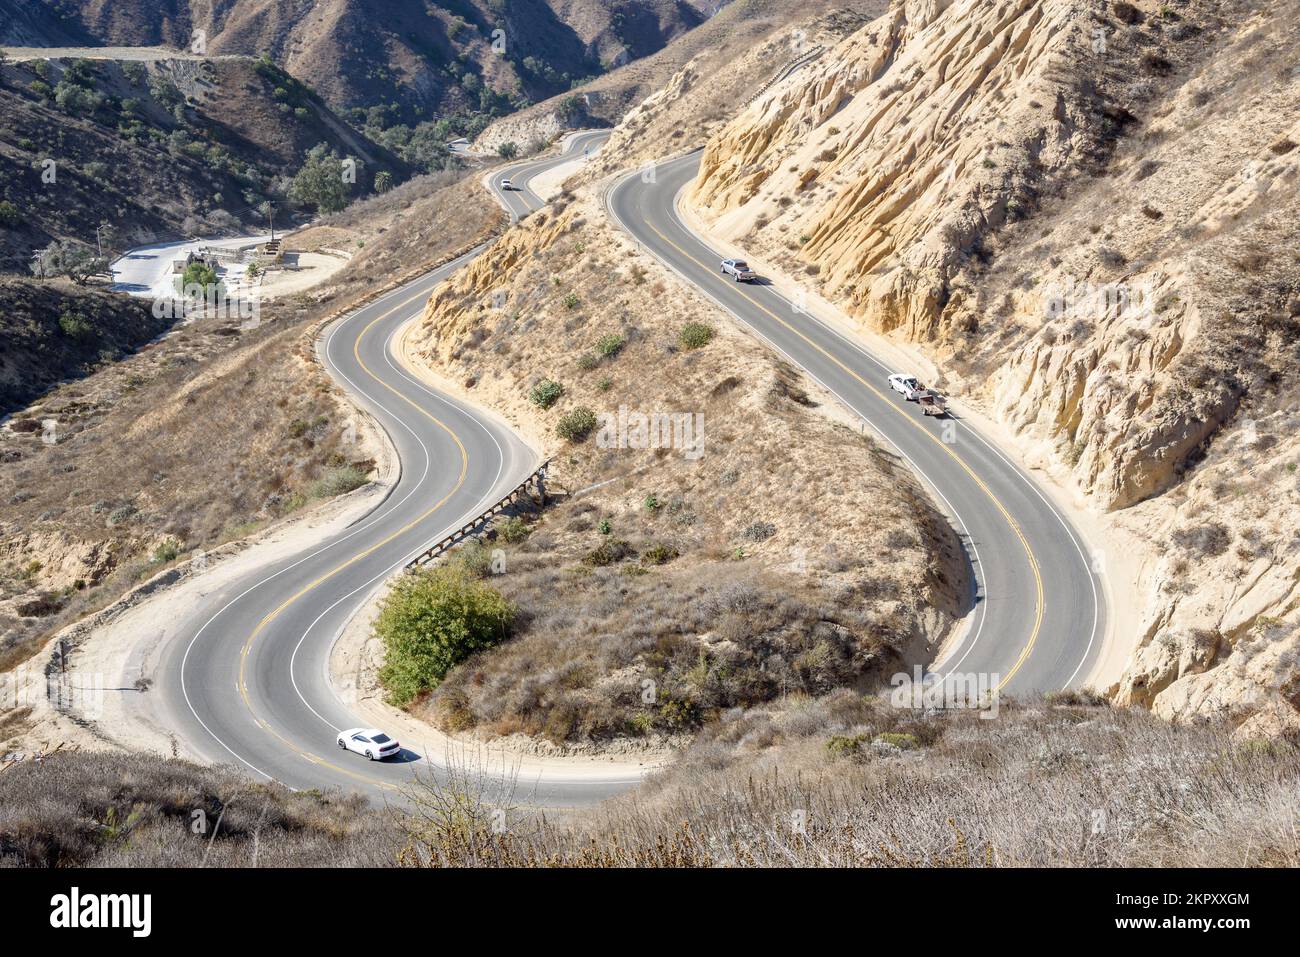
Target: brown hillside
{"x":376,"y":52}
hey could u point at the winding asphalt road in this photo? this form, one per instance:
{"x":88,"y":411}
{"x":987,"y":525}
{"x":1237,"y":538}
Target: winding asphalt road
{"x":521,"y":200}
{"x":245,"y":680}
{"x":1039,"y":610}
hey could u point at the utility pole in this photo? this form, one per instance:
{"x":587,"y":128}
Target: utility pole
{"x":270,"y":215}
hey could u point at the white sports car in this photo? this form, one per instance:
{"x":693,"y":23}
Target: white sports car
{"x":371,"y":742}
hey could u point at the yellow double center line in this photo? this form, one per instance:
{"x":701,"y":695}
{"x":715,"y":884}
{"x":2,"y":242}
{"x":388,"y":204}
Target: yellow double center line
{"x":1015,"y":527}
{"x":261,"y":625}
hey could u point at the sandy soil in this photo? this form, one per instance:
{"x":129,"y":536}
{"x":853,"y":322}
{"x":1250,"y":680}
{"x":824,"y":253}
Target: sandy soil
{"x":313,"y":269}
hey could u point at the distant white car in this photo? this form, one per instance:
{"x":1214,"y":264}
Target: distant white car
{"x":739,"y":269}
{"x":507,"y":185}
{"x":906,"y":385}
{"x":371,"y":742}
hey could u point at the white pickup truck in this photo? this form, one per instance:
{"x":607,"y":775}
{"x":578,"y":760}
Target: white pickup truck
{"x":739,"y":269}
{"x":910,"y":388}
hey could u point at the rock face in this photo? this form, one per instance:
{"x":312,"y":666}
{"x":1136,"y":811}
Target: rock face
{"x":1087,"y":213}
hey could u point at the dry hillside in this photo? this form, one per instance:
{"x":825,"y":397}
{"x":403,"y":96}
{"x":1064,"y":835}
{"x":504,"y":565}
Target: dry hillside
{"x":785,"y":553}
{"x":1087,"y":213}
{"x":158,"y":150}
{"x":840,"y":782}
{"x":721,"y":50}
{"x":424,"y":59}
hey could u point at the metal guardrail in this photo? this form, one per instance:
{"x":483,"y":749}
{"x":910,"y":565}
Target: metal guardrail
{"x":538,"y":478}
{"x":786,"y":70}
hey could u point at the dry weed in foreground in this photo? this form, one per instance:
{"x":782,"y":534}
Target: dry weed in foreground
{"x":818,"y":783}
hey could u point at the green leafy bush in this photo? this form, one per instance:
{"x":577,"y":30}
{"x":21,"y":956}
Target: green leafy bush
{"x":167,"y":551}
{"x":546,"y":393}
{"x":695,"y":335}
{"x":76,"y":326}
{"x":337,"y":481}
{"x":9,"y":215}
{"x":431,"y":621}
{"x":577,"y":425}
{"x":571,"y":301}
{"x":513,"y":530}
{"x":610,"y":345}
{"x":659,"y":554}
{"x":608,"y":552}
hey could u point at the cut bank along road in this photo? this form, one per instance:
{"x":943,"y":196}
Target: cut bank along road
{"x":1039,"y":614}
{"x":245,"y":677}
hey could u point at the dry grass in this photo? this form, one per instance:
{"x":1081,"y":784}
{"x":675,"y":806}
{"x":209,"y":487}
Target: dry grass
{"x":841,"y":781}
{"x":115,"y":810}
{"x":846,"y":781}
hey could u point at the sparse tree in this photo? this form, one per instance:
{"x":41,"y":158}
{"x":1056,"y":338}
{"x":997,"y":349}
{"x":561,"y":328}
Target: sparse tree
{"x":321,"y":182}
{"x":507,"y":151}
{"x":65,"y":257}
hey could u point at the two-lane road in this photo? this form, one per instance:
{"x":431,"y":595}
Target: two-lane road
{"x":1039,"y":616}
{"x":521,"y":200}
{"x":244,"y":679}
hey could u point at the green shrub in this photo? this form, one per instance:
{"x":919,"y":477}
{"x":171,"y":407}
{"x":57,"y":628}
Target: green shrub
{"x":76,"y":326}
{"x":608,"y":552}
{"x":337,"y":481}
{"x":199,"y":274}
{"x":577,"y":425}
{"x":546,"y":393}
{"x":695,"y":335}
{"x":659,"y":554}
{"x":475,"y":558}
{"x":9,"y":215}
{"x":587,"y":361}
{"x":431,"y":621}
{"x":604,"y":384}
{"x":610,"y":345}
{"x":571,"y":301}
{"x":167,"y":551}
{"x":652,"y":503}
{"x":513,"y":530}
{"x":905,"y":742}
{"x":845,"y":746}
{"x":679,"y":714}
